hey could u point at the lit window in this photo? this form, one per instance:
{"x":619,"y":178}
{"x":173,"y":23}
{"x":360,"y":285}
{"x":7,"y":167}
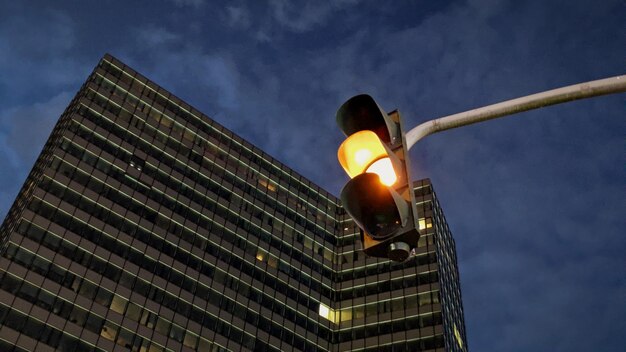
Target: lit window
{"x":260,"y":255}
{"x":118,"y":304}
{"x":324,"y":311}
{"x":425,"y":223}
{"x":328,"y":313}
{"x":273,"y":262}
{"x":457,"y":335}
{"x":136,"y":163}
{"x":268,"y":184}
{"x":346,"y":314}
{"x":109,"y":330}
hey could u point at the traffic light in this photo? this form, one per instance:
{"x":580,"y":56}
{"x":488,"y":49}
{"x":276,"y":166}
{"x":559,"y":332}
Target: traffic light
{"x":379,"y":196}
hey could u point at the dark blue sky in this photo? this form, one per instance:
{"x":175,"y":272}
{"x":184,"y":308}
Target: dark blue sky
{"x":536,"y":201}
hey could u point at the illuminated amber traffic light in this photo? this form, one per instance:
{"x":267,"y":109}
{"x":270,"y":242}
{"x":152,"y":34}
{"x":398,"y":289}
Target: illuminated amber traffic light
{"x":364,"y":152}
{"x":384,"y":169}
{"x":378,"y":197}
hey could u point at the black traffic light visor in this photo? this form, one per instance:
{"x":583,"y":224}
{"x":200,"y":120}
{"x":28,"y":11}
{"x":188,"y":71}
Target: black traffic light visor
{"x":362,"y":113}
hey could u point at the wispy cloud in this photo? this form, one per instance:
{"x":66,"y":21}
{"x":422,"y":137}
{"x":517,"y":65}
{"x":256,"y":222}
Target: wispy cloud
{"x":41,"y":52}
{"x":238,"y":16}
{"x":24,"y":124}
{"x":211,"y":79}
{"x":55,"y":34}
{"x":153,"y":36}
{"x":23,"y":131}
{"x":191,"y":3}
{"x":302,"y":16}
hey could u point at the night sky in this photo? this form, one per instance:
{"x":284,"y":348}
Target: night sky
{"x":536,"y":202}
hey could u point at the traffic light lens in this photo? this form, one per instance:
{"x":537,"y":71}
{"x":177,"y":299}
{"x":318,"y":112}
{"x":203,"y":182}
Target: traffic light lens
{"x":359,"y":151}
{"x":372,"y":206}
{"x":384,"y":169}
{"x":362,"y":156}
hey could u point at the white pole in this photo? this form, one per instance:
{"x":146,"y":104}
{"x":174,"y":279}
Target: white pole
{"x":590,"y":89}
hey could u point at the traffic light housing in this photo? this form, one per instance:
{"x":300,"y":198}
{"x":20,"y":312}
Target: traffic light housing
{"x":379,"y":196}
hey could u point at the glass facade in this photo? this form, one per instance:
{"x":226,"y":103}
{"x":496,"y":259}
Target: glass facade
{"x":146,"y":226}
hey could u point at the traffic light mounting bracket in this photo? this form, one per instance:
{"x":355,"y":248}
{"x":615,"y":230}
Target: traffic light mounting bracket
{"x":409,"y":233}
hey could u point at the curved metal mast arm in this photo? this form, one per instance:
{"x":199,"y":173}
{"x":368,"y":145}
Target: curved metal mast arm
{"x":590,"y":89}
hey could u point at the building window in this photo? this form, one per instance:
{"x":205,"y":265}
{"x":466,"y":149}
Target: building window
{"x":457,"y":336}
{"x":328,"y":313}
{"x":425,"y":223}
{"x":136,"y":163}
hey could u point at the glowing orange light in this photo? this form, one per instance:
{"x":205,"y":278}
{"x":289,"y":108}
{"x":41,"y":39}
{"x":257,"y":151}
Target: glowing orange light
{"x":384,"y":169}
{"x":364,"y":152}
{"x":362,"y":156}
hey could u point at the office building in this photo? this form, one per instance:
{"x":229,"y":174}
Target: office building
{"x":146,"y":226}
